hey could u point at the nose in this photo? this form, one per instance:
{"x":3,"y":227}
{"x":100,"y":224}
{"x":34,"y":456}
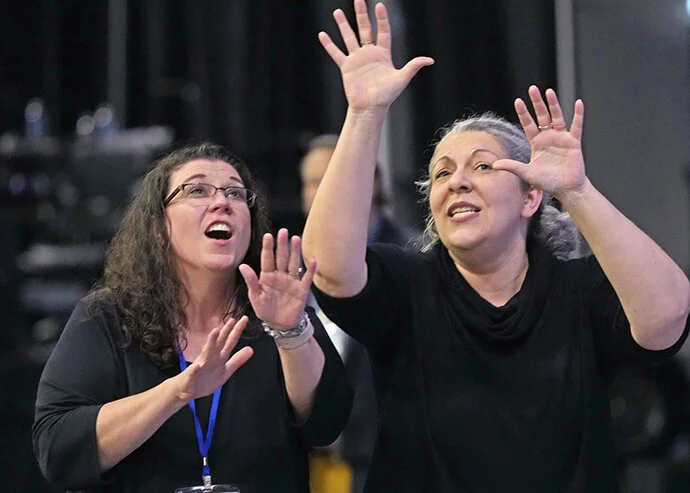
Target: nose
{"x":219,"y":202}
{"x":460,"y":181}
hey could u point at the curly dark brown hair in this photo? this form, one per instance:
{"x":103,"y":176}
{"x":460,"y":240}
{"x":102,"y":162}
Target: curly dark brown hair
{"x":139,"y":277}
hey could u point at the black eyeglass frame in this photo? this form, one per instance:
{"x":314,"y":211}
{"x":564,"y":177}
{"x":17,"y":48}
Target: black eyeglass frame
{"x":250,"y":200}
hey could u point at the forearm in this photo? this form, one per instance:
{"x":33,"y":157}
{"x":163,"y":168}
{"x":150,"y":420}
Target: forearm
{"x":302,"y":369}
{"x":124,"y":425}
{"x":336,"y":229}
{"x":653,"y":290}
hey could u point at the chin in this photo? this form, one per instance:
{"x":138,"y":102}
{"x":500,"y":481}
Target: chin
{"x":464,"y":241}
{"x":224,"y":266}
{"x":221,"y":264}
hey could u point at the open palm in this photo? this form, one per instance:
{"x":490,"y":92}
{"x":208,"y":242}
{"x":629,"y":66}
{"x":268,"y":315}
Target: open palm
{"x":369,"y":77}
{"x":278,"y":295}
{"x":557,"y":164}
{"x":216,"y":363}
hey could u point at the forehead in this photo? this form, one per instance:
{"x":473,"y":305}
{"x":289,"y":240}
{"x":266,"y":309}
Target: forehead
{"x":460,"y":145}
{"x":213,"y":171}
{"x":316,"y":161}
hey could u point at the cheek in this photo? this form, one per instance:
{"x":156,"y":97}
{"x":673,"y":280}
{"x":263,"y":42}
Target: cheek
{"x":508,"y":207}
{"x":435,"y":200}
{"x":177,"y":237}
{"x":247,"y":226}
{"x":437,"y":212}
{"x":181,"y":227}
{"x":178,"y":224}
{"x":515,"y":195}
{"x":504,"y":190}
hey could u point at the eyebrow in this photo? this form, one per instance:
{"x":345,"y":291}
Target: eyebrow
{"x":472,"y":154}
{"x":201,"y":175}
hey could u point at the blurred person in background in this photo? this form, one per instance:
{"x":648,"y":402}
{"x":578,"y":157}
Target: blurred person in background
{"x":356,"y":443}
{"x":381,"y":229}
{"x":183,"y":365}
{"x":492,"y":348}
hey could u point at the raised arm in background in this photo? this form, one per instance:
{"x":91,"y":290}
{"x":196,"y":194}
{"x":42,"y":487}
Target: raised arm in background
{"x":653,"y":290}
{"x":336,"y":230}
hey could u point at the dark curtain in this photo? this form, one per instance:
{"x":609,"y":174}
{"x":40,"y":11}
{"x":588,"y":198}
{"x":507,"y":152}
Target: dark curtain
{"x":251,"y":74}
{"x":487,"y":54}
{"x":55,"y":50}
{"x":241,"y":73}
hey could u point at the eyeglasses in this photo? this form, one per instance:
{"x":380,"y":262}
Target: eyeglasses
{"x":203,"y":192}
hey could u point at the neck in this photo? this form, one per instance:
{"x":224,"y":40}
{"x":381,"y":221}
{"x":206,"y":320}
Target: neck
{"x":496,"y":274}
{"x":207,"y":300}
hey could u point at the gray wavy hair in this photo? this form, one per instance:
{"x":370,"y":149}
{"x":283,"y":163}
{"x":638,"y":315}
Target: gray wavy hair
{"x":551,"y":226}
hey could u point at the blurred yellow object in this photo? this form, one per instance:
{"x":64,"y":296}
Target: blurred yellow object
{"x":328,"y":473}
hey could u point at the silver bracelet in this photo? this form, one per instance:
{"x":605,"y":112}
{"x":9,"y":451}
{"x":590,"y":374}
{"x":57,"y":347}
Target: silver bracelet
{"x":291,"y":338}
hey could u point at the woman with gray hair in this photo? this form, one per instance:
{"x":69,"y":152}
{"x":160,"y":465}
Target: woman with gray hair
{"x":491,"y":355}
{"x":549,"y":224}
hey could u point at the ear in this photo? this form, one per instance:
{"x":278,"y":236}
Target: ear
{"x":531,"y":201}
{"x":163,"y":234}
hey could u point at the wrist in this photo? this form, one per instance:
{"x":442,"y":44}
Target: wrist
{"x":293,"y":337}
{"x":571,"y":198}
{"x":177,"y":387}
{"x":370,"y":114}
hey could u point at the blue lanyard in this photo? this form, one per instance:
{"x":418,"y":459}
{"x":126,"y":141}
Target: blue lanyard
{"x":204,"y":444}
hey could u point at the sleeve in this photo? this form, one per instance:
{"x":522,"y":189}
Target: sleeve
{"x":612,"y":334}
{"x":372,"y":314}
{"x":333,"y":398}
{"x":80,"y":375}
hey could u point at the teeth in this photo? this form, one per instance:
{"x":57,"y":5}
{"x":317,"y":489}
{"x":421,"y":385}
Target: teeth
{"x":463,"y":210}
{"x":218,"y":227}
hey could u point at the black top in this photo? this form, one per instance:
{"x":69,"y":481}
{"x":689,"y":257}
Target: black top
{"x":255,"y":445}
{"x":478,"y":398}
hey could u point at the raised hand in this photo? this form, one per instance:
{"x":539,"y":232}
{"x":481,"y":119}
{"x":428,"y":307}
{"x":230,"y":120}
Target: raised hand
{"x":369,"y":77}
{"x":214,"y":366}
{"x":279,"y":294}
{"x":556,"y":165}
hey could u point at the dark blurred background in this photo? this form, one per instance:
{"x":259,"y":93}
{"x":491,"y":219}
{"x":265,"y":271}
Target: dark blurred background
{"x":92,"y":91}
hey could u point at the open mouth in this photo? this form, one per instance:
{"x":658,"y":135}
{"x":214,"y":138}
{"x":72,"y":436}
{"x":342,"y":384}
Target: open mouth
{"x":218,"y":231}
{"x":462,"y":210}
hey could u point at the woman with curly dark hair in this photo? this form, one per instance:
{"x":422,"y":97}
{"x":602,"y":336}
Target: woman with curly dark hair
{"x":181,"y":318}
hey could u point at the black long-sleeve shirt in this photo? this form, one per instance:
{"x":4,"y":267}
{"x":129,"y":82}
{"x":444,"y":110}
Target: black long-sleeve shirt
{"x":478,"y":398}
{"x":256,"y":443}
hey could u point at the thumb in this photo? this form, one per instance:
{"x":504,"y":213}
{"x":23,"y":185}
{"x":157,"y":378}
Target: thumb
{"x":237,"y":360}
{"x":518,"y":168}
{"x":413,"y":66}
{"x":309,"y":275}
{"x":250,"y":278}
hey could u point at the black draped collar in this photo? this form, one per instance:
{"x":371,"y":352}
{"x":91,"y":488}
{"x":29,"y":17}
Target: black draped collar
{"x":499,"y":326}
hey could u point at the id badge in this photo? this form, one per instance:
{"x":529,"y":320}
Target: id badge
{"x":212,"y":488}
